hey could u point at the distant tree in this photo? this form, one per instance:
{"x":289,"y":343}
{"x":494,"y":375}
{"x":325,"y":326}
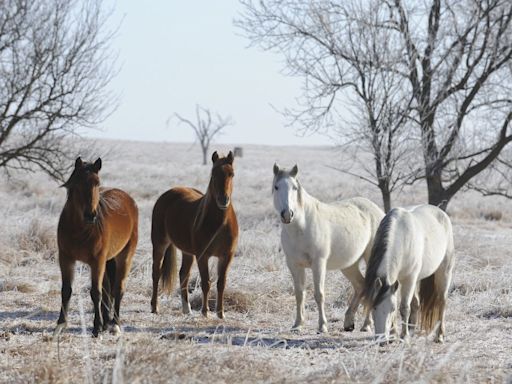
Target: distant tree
{"x":450,"y":59}
{"x":206,"y":127}
{"x":55,"y":65}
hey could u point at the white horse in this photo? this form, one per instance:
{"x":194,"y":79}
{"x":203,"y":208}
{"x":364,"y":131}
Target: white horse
{"x":414,"y":251}
{"x":323,"y":236}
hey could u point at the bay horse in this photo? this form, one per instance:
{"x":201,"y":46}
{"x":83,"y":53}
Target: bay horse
{"x":323,"y":236}
{"x":97,"y":226}
{"x":413,"y":251}
{"x":201,"y":226}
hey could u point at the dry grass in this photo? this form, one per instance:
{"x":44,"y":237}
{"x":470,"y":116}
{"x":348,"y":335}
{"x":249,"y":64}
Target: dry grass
{"x":254,"y":343}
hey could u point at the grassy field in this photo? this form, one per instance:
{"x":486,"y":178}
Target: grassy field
{"x":254,"y":343}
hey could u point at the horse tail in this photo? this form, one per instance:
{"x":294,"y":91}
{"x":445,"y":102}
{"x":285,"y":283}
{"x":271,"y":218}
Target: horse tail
{"x":169,"y":269}
{"x":432,"y":303}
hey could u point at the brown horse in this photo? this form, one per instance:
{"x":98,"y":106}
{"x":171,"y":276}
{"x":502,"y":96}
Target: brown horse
{"x":201,"y":226}
{"x":98,"y":227}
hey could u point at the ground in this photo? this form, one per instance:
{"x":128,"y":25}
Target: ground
{"x":254,"y":342}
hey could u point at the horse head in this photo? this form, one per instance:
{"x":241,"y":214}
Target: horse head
{"x":287,"y":193}
{"x":384,"y":305}
{"x":221,"y":183}
{"x":84,"y":189}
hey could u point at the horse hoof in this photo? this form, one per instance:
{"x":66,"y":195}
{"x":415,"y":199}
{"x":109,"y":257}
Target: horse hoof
{"x":186,"y":311}
{"x":365,"y":328}
{"x":116,"y":330}
{"x":349,"y":328}
{"x":323,"y":329}
{"x":439,"y":339}
{"x":154,"y":310}
{"x":205,"y":314}
{"x":405,"y":339}
{"x":220,"y":315}
{"x":296,"y":329}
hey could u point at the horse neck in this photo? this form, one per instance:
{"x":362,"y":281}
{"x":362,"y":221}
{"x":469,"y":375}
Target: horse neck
{"x":208,"y":209}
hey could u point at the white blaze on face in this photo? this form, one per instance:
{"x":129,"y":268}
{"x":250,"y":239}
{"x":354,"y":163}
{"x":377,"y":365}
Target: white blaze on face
{"x":286,"y":198}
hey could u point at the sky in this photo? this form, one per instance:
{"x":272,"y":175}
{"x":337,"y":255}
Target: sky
{"x":176,"y":54}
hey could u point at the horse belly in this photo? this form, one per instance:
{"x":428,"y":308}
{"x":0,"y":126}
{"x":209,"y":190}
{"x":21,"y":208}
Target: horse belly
{"x":119,"y":237}
{"x":346,"y":251}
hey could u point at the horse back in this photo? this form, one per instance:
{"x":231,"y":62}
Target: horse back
{"x":120,"y":216}
{"x":173,"y":216}
{"x":427,"y":232}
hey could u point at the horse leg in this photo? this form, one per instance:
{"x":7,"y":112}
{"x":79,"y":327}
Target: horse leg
{"x":319,"y":269}
{"x":415,"y":306}
{"x":97,"y":272}
{"x":124,"y":263}
{"x":407,"y":292}
{"x":159,"y":249}
{"x":222,"y":271}
{"x":186,"y":265}
{"x":67,"y":269}
{"x":108,"y":285}
{"x":202,"y":263}
{"x":353,"y":274}
{"x":443,"y":277}
{"x":299,"y":280}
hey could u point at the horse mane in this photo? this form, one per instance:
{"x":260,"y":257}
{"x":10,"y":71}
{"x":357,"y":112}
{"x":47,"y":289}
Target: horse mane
{"x":379,"y":249}
{"x":107,"y":202}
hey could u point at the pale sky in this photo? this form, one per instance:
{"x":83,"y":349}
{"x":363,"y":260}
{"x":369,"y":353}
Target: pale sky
{"x":174,"y":54}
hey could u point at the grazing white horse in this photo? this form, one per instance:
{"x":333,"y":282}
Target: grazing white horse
{"x":414,"y":251}
{"x":323,"y":236}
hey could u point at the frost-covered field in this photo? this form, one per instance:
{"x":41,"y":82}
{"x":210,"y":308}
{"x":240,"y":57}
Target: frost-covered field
{"x":254,"y":343}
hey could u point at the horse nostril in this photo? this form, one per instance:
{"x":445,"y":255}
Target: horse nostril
{"x":282,"y":213}
{"x":291,"y":213}
{"x":90,"y":217}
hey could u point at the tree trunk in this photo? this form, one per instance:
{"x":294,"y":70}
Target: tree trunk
{"x":436,"y":193}
{"x":205,"y":154}
{"x":386,"y":195}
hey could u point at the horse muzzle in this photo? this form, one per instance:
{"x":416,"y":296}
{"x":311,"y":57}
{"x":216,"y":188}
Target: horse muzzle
{"x":223,"y":202}
{"x":286,"y":216}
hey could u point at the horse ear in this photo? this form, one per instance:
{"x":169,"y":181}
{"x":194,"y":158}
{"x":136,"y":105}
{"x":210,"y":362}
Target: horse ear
{"x":215,"y":156}
{"x":78,"y":162}
{"x":294,"y":171}
{"x":394,"y":287}
{"x":276,"y":169}
{"x":377,"y":285}
{"x":230,"y":157}
{"x":97,"y":165}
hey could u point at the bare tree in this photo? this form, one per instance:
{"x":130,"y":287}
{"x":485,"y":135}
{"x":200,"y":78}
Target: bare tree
{"x":454,"y":55}
{"x":345,"y":59}
{"x":456,"y":60}
{"x":55,"y":65}
{"x":206,"y":127}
